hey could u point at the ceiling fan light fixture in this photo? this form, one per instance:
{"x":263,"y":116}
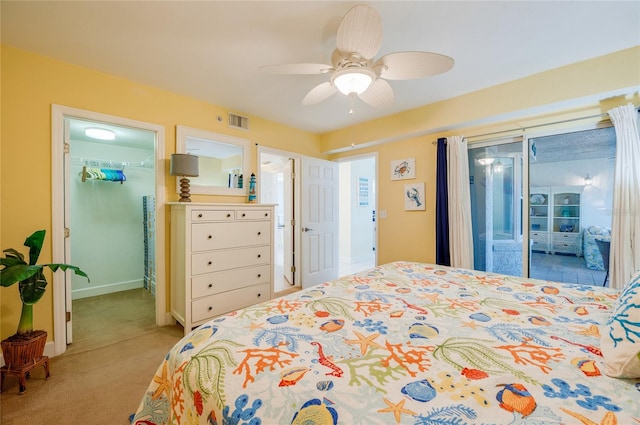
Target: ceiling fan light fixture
{"x":353,"y":81}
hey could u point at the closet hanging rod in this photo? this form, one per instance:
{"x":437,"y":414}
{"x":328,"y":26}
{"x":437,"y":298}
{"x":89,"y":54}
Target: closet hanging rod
{"x":105,"y":163}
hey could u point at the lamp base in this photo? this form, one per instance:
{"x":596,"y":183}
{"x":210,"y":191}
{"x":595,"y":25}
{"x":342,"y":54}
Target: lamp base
{"x":185,"y":196}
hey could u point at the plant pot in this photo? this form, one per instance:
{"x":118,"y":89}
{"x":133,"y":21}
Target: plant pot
{"x":20,"y":350}
{"x":21,"y":354}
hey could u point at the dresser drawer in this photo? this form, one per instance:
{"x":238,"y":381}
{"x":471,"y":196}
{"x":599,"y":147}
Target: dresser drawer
{"x":572,"y":238}
{"x":253,"y":215}
{"x":214,"y":261}
{"x":215,"y":305}
{"x":207,"y":236}
{"x":539,"y":236}
{"x":208,"y":215}
{"x":570,"y":248}
{"x":539,"y":246}
{"x":228,"y":280}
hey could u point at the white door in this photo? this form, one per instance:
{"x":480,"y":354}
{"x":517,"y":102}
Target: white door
{"x":319,"y":222}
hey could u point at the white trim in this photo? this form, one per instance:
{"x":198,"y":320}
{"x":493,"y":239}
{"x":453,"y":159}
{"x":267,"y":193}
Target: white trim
{"x":95,"y":290}
{"x":58,"y":114}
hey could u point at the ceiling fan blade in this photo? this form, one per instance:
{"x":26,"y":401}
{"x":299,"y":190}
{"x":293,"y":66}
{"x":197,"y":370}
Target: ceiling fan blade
{"x":319,"y":93}
{"x":410,"y":65}
{"x":378,"y":94}
{"x":298,"y":68}
{"x":360,"y":31}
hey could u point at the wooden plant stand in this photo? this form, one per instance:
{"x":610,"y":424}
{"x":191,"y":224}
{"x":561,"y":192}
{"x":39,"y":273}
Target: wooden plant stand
{"x":22,"y":356}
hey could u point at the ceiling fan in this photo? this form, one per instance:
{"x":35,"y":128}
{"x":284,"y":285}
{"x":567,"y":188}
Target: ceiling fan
{"x":355,"y":72}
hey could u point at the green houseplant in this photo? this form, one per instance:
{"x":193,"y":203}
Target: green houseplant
{"x":24,"y":350}
{"x":30,"y":277}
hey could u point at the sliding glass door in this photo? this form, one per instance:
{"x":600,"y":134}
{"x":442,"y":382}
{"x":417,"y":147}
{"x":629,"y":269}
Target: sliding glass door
{"x":570,"y":202}
{"x":495,"y":174}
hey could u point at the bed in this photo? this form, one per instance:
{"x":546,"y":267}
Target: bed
{"x":405,"y":343}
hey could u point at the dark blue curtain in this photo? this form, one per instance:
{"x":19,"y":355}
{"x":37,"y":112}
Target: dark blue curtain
{"x":442,"y":209}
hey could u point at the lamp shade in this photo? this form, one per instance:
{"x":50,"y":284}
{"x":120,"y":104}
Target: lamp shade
{"x":183,"y":164}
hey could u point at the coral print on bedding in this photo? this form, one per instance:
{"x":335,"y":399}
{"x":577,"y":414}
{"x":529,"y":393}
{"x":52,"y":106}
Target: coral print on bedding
{"x":403,"y":343}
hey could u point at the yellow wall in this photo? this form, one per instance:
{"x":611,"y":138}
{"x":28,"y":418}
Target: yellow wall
{"x":30,"y":85}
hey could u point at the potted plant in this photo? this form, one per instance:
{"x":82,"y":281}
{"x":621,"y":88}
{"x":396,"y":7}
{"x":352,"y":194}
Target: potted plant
{"x":24,"y":349}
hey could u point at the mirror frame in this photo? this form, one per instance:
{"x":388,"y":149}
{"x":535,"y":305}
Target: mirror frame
{"x":183,"y":132}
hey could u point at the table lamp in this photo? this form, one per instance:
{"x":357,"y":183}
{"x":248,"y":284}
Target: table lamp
{"x":184,"y":165}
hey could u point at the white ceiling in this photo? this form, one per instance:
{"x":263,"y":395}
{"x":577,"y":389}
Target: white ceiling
{"x":212,"y":50}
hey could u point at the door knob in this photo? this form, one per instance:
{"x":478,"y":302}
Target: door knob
{"x":306,"y":229}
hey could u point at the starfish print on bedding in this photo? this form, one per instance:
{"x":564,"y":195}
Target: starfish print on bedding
{"x":364,"y":341}
{"x":608,"y":419}
{"x":164,"y":384}
{"x":396,"y":409}
{"x":472,"y":324}
{"x":590,"y":331}
{"x":253,"y":326}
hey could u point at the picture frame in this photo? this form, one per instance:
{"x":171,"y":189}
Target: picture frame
{"x":363,"y":192}
{"x":414,"y":197}
{"x":403,"y":169}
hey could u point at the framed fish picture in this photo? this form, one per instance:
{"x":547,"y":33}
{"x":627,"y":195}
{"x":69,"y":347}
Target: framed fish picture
{"x":414,"y":197}
{"x":402,"y":169}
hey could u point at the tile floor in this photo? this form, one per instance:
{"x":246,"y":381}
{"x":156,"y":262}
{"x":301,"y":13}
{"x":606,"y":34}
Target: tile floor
{"x":564,"y":268}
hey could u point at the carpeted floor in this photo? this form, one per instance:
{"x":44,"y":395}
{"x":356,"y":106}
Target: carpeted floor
{"x":102,"y":376}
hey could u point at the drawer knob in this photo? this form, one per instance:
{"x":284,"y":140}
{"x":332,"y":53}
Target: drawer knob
{"x":200,"y":215}
{"x":210,"y":308}
{"x":259,"y":275}
{"x":211,"y":285}
{"x":209,"y":237}
{"x":243,"y":214}
{"x":259,"y":295}
{"x":266,"y":214}
{"x":259,"y":233}
{"x":259,"y":255}
{"x":228,"y":215}
{"x":209,"y":263}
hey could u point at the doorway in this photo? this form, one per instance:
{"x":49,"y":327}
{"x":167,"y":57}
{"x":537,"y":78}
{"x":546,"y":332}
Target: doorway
{"x":82,"y":199}
{"x":358,"y":227}
{"x":278,"y":185}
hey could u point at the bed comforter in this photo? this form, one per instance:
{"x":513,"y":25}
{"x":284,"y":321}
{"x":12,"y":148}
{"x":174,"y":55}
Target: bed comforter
{"x":403,"y":343}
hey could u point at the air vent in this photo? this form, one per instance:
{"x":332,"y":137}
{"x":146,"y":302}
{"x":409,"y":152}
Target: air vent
{"x":237,"y":121}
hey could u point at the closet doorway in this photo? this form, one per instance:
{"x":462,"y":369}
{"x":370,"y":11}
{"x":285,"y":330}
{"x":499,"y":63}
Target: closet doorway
{"x":108,"y":217}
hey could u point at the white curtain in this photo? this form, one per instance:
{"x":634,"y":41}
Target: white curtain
{"x":624,"y":257}
{"x":460,"y":232}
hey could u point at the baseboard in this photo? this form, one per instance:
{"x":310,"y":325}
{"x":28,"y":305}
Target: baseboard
{"x":94,"y":291}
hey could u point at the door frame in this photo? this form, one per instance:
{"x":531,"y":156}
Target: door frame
{"x":59,"y":185}
{"x":296,"y":203}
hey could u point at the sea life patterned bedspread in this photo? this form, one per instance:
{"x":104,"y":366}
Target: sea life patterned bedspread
{"x":403,"y":343}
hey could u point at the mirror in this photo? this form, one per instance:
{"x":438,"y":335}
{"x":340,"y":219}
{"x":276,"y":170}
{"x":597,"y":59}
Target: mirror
{"x":223,"y":160}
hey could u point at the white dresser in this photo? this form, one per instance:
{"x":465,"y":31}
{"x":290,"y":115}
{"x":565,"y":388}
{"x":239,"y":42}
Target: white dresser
{"x":221,"y":259}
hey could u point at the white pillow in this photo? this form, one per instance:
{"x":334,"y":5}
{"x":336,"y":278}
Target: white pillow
{"x":620,"y":337}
